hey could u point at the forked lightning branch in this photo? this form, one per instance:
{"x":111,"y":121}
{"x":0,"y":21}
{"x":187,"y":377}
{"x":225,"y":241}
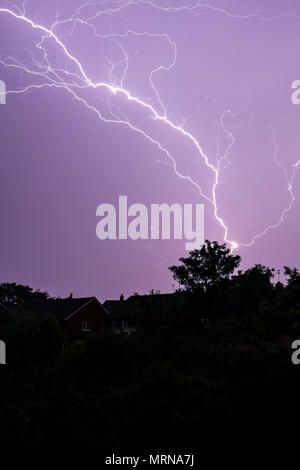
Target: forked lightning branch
{"x":76,"y":79}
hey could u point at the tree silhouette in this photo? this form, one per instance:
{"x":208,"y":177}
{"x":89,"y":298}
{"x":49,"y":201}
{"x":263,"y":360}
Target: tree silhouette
{"x":205,"y":267}
{"x":292,"y":274}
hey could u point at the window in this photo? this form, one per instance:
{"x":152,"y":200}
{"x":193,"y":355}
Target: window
{"x":114,"y":324}
{"x":205,"y":322}
{"x":124,"y":324}
{"x":86,"y":325}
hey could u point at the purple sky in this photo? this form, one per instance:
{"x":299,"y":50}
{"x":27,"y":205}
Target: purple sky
{"x":230,"y":90}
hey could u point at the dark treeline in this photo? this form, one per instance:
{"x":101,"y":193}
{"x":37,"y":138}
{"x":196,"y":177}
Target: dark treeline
{"x":223,"y":355}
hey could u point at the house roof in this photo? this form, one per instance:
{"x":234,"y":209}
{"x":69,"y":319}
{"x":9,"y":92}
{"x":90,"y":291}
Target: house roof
{"x":140,"y":304}
{"x":64,"y":309}
{"x":74,"y":305}
{"x":112,"y":305}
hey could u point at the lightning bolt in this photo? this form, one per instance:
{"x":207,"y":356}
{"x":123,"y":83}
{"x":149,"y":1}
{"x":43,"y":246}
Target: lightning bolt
{"x":206,"y":6}
{"x":290,"y":188}
{"x":78,"y":80}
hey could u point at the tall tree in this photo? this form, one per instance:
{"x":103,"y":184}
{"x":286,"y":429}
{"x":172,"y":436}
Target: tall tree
{"x":205,"y":267}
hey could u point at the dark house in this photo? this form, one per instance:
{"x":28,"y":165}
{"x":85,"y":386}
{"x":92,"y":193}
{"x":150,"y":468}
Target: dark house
{"x":124,"y":315}
{"x":120,"y":317}
{"x":82,"y":316}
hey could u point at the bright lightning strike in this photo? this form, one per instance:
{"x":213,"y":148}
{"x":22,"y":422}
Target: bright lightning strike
{"x":74,"y":82}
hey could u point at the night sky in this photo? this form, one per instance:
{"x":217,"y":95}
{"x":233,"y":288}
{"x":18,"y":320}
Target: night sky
{"x":125,"y":97}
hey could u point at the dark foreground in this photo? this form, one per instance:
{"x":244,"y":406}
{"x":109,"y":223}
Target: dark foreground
{"x":173,"y":384}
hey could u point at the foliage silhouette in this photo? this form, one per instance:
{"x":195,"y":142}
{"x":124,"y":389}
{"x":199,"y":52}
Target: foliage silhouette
{"x":205,"y":267}
{"x":174,"y":383}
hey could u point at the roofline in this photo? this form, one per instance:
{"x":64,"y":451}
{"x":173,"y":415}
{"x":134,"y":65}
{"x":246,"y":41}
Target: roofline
{"x":107,"y":311}
{"x":84,"y":305}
